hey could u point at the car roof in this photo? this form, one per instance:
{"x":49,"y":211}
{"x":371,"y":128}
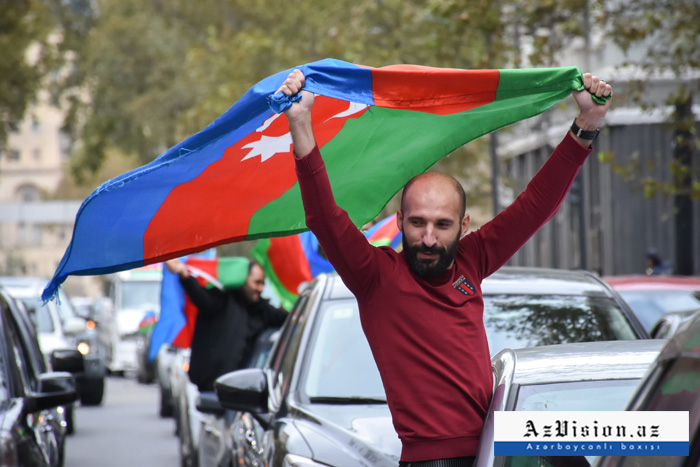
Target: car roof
{"x":518,"y":280}
{"x":640,"y":282}
{"x":23,"y":287}
{"x":535,"y":281}
{"x":627,"y":359}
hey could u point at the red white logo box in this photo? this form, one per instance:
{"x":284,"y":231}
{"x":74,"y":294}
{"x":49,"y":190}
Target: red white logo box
{"x":591,"y":433}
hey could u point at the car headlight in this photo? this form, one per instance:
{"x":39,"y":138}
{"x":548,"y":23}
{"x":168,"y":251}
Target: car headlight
{"x":292,"y":460}
{"x":84,"y":348}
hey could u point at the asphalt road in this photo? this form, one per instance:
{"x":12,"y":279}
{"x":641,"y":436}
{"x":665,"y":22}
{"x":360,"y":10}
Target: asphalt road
{"x":125,"y":430}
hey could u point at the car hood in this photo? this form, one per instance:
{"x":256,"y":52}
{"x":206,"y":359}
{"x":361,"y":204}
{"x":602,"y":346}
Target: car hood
{"x":338,"y":433}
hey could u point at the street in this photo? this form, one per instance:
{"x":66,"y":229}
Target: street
{"x":125,"y":430}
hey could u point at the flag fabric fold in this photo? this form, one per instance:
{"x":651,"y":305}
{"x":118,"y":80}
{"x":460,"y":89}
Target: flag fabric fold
{"x":235,"y":179}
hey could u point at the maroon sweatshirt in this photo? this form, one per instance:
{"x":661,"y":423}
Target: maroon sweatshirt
{"x":427,"y":336}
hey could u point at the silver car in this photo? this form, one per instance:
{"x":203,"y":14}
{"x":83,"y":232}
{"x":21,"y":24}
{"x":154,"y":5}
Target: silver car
{"x":320,"y":400}
{"x":591,"y":376}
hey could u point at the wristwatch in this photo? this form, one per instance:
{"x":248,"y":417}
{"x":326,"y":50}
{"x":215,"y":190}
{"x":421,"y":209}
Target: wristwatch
{"x":583,"y":134}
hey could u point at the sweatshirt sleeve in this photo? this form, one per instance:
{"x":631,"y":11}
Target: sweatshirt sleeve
{"x":344,"y":245}
{"x":208,"y":302}
{"x":501,"y":237}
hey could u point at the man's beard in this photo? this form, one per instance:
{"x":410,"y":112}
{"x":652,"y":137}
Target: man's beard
{"x":427,"y":269}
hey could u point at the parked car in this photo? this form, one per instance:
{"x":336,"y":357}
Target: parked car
{"x":528,"y":307}
{"x":591,"y":376}
{"x":319,"y":398}
{"x":99,"y":314}
{"x":187,"y":418}
{"x":651,"y":297}
{"x":214,"y":446}
{"x":672,"y":383}
{"x":58,"y":327}
{"x":167,"y":357}
{"x":32,"y":424}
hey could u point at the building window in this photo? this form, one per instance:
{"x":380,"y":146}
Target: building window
{"x":37,"y":154}
{"x":36,"y":125}
{"x":28,"y":193}
{"x":13,"y":154}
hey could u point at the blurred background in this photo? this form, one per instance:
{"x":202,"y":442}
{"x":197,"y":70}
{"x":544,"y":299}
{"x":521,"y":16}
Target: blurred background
{"x":92,"y":89}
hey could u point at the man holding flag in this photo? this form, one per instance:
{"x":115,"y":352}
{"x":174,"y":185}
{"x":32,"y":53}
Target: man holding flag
{"x":421,"y":309}
{"x":228,"y":322}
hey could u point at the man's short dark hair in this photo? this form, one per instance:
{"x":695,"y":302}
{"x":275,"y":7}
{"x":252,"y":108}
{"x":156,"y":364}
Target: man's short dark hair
{"x":252,"y":264}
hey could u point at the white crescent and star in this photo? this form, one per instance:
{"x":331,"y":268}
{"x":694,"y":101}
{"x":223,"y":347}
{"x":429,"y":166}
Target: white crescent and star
{"x":268,"y":146}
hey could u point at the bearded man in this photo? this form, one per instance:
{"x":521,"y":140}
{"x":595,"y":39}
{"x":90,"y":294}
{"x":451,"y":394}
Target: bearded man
{"x":422,"y":309}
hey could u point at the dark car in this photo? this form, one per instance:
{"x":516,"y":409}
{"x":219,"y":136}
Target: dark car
{"x":320,"y":400}
{"x":32,"y":428}
{"x":59,"y":327}
{"x":220,"y":425}
{"x":672,"y":383}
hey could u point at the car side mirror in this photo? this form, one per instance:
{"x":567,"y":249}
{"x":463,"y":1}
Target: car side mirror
{"x":245,"y":391}
{"x":55,"y":389}
{"x":68,"y":360}
{"x":207,"y":402}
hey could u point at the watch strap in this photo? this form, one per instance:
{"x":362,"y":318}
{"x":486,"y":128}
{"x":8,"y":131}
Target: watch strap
{"x":583,"y":134}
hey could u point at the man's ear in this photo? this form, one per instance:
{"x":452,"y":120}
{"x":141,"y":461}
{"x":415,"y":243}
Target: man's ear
{"x":466,"y":220}
{"x":399,"y":220}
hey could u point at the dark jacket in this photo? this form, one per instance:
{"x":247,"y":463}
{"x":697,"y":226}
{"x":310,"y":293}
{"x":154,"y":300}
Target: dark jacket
{"x":225,"y":331}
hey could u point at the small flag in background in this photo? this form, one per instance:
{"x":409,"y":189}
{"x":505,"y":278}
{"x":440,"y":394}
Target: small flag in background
{"x":289,"y":262}
{"x":385,"y":233}
{"x":235,"y":179}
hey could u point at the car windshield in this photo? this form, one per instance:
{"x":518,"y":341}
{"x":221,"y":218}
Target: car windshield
{"x":340,"y":364}
{"x":140,"y":294}
{"x":519,"y":321}
{"x":601,"y":395}
{"x":650,"y":305}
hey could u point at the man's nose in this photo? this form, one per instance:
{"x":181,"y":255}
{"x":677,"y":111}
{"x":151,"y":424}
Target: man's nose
{"x":429,"y":239}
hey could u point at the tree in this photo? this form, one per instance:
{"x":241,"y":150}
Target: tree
{"x":28,"y":54}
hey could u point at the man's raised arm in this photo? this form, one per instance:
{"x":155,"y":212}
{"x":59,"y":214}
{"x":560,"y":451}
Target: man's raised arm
{"x":591,"y":114}
{"x":299,"y":114}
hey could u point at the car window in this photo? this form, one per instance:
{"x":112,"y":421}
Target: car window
{"x":5,"y":389}
{"x":578,"y":395}
{"x":519,"y":321}
{"x":603,"y":395}
{"x":340,"y":362}
{"x":140,"y":294}
{"x":650,"y":305}
{"x":25,"y":378}
{"x":674,"y":387}
{"x":282,"y":360}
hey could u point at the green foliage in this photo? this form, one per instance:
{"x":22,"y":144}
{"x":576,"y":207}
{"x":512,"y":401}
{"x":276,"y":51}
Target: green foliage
{"x":138,"y":77}
{"x":25,"y":26}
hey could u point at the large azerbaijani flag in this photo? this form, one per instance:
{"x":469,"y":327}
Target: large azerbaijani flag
{"x":235,"y":179}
